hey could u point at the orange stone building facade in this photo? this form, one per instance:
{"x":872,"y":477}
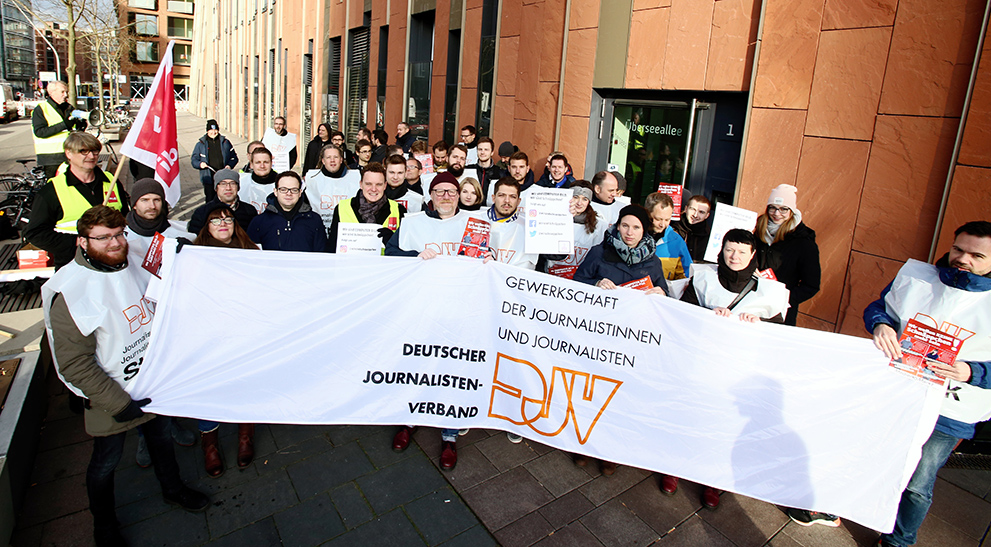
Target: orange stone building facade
{"x":879,"y":111}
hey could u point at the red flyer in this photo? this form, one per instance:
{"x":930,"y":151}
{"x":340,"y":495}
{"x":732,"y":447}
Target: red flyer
{"x":921,"y":343}
{"x":563,"y":270}
{"x":427,"y":161}
{"x":641,"y":284}
{"x":675,"y":191}
{"x":153,"y":258}
{"x":475,"y":242}
{"x":767,"y":274}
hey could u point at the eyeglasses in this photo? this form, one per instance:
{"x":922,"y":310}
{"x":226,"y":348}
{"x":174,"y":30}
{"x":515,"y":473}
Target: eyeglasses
{"x":122,"y":235}
{"x":223,"y":220}
{"x":88,"y":152}
{"x":445,"y":192}
{"x":287,"y":191}
{"x":781,"y":210}
{"x":227,"y":183}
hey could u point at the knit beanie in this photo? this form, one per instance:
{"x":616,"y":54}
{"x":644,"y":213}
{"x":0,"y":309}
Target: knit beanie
{"x":146,"y":186}
{"x":506,"y":149}
{"x":226,"y":174}
{"x":784,"y":195}
{"x":639,"y":212}
{"x":212,"y":124}
{"x":444,"y":177}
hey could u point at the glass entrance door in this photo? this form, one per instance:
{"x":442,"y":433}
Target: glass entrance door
{"x":656,"y":143}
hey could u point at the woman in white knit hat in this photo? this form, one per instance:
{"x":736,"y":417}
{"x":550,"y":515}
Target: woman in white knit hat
{"x":787,"y":246}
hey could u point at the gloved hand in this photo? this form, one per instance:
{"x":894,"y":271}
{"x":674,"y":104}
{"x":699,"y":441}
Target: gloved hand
{"x":182,"y":243}
{"x":132,"y":411}
{"x":385,"y":234}
{"x":78,"y":125}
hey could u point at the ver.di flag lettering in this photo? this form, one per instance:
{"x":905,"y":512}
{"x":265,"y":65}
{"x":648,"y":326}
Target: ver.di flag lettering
{"x":152,"y":139}
{"x":791,"y":416}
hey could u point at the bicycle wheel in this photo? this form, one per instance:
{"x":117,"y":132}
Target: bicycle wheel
{"x":10,"y":184}
{"x":16,"y":211}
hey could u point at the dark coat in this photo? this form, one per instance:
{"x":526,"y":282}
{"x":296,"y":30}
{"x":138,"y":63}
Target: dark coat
{"x":406,"y":141}
{"x":795,"y":262}
{"x":487,"y":176}
{"x":603,"y":262}
{"x":304,"y":232}
{"x":199,"y":155}
{"x":243,"y":214}
{"x":545,"y":180}
{"x":696,"y":236}
{"x":311,"y":159}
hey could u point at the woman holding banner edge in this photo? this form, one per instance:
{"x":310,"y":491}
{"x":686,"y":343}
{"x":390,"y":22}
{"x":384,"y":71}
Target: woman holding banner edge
{"x":626,"y":255}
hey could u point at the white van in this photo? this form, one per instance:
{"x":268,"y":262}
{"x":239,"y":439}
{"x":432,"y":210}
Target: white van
{"x":8,"y":107}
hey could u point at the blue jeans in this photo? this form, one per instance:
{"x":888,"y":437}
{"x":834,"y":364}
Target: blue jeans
{"x":207,"y":426}
{"x":918,"y":495}
{"x":106,"y":455}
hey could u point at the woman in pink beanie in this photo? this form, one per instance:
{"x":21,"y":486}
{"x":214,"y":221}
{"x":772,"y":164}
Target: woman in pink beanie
{"x":787,"y":246}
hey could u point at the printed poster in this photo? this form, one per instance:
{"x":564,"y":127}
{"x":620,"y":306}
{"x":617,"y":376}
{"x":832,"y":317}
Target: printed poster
{"x":549,"y":224}
{"x":725,"y":219}
{"x":921,"y":343}
{"x":359,"y":239}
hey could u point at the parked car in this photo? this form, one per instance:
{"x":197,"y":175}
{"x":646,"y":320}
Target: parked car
{"x":8,"y":104}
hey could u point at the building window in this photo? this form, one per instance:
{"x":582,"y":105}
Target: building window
{"x":146,"y":52}
{"x":144,"y":4}
{"x":421,"y":54}
{"x":180,"y":6}
{"x":357,"y":99}
{"x":181,"y":54}
{"x":332,"y":100}
{"x":144,"y":25}
{"x":486,"y":67}
{"x":181,"y":28}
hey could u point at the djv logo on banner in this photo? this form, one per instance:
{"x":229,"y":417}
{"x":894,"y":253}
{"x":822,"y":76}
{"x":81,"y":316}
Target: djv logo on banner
{"x":573,"y":397}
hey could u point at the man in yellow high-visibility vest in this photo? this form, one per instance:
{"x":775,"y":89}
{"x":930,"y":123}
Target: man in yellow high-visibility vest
{"x":51,"y":124}
{"x":68,"y":195}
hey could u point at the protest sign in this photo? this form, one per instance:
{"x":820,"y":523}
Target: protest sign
{"x":725,"y":219}
{"x":820,"y":423}
{"x":549,"y":223}
{"x":359,"y":239}
{"x":279,"y":146}
{"x":675,"y":191}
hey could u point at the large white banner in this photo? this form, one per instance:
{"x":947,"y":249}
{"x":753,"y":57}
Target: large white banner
{"x":791,"y":416}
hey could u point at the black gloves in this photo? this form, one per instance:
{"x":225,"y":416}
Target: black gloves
{"x":182,"y":243}
{"x":77,"y":125}
{"x":132,"y":411}
{"x":385,"y":234}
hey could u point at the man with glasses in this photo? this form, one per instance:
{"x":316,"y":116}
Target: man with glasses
{"x":98,"y":324}
{"x":468,"y":139}
{"x":364,"y":149}
{"x":68,"y":195}
{"x":288,"y":223}
{"x":413,"y":170}
{"x":227,"y":186}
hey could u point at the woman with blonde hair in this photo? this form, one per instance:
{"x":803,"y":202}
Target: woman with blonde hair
{"x":471,"y":195}
{"x":788,"y":247}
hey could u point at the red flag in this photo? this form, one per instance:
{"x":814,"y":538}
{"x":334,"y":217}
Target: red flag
{"x":152,"y":139}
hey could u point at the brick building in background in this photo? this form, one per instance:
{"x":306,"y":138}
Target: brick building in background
{"x":155,"y":22}
{"x":58,"y":37}
{"x":869,"y":107}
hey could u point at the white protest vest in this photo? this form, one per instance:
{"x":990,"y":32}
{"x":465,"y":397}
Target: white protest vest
{"x":769,"y":299}
{"x":412,"y":201}
{"x":279,"y":146}
{"x":324,"y":193}
{"x":112,"y":305}
{"x":420,"y":232}
{"x":583,"y":242}
{"x":609,"y":213}
{"x":917,"y":293}
{"x":254,"y":193}
{"x":137,"y":248}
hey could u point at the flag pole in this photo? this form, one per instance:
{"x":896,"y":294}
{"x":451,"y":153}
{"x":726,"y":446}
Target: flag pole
{"x":113,"y":181}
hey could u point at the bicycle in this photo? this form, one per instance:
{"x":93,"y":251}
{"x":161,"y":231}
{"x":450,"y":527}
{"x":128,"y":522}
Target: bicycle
{"x":17,"y":194}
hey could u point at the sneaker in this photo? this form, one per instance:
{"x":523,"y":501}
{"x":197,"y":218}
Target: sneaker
{"x":143,"y":458}
{"x":513,"y":438}
{"x":808,"y":518}
{"x":463,"y":432}
{"x":182,"y":437}
{"x":188,"y":499}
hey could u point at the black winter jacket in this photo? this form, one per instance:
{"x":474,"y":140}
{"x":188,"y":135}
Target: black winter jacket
{"x":795,"y":262}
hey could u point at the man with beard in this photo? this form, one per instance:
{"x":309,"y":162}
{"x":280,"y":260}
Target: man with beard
{"x":280,"y":141}
{"x":150,"y":215}
{"x":398,"y":188}
{"x":333,"y":182}
{"x":258,"y":184}
{"x":93,"y":347}
{"x":212,"y":153}
{"x":226,"y":185}
{"x":68,"y":195}
{"x":288,"y":223}
{"x":955,"y":295}
{"x":486,"y":171}
{"x":380,"y":141}
{"x":505,"y":201}
{"x":403,"y":137}
{"x":369,"y":206}
{"x":519,"y":169}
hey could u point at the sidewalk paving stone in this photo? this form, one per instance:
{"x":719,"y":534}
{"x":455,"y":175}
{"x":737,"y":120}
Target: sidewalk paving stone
{"x":237,"y":507}
{"x":310,"y":522}
{"x":392,"y":529}
{"x":329,"y":469}
{"x":524,"y":532}
{"x":440,"y":516}
{"x":351,"y":505}
{"x":614,"y":525}
{"x":400,"y":483}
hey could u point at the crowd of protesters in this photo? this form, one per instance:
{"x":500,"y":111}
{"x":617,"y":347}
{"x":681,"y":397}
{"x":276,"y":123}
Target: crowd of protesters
{"x":406,"y":189}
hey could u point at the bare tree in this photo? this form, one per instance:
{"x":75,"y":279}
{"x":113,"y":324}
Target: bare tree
{"x":69,"y":13}
{"x":110,"y":43}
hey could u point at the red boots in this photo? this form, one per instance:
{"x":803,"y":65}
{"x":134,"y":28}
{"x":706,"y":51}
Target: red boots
{"x":245,"y":444}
